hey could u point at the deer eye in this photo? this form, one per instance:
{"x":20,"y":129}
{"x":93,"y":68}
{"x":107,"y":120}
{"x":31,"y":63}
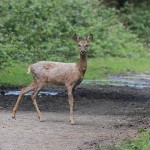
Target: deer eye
{"x":79,"y":45}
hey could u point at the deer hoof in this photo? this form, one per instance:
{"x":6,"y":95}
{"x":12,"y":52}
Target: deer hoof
{"x":40,"y":119}
{"x":72,"y":121}
{"x":13,"y":117}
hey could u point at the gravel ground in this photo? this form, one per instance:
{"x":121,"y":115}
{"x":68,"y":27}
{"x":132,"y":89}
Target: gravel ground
{"x":103,"y":114}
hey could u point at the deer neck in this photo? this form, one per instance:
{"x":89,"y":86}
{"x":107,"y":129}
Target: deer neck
{"x":82,"y":64}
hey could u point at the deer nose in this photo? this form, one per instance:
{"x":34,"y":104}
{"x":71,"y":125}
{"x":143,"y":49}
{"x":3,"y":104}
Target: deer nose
{"x":83,"y":51}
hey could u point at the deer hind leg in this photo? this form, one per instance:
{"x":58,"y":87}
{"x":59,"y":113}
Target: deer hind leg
{"x":22,"y":92}
{"x":71,"y":103}
{"x":33,"y":96}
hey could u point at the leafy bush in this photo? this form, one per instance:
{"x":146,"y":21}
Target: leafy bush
{"x":32,"y":30}
{"x":113,"y":38}
{"x":136,"y":17}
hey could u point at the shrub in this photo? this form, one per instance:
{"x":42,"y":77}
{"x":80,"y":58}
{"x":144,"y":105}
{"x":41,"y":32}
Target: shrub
{"x":136,"y":17}
{"x":32,"y":30}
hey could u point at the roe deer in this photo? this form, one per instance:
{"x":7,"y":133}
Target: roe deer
{"x":57,"y":73}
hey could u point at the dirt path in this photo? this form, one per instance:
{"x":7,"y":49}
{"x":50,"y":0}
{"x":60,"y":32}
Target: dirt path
{"x":103,"y":114}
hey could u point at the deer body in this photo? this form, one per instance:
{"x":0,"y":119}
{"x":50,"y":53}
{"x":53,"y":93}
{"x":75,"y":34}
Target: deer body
{"x":57,"y":73}
{"x":50,"y":74}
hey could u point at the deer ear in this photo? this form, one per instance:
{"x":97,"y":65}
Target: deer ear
{"x":76,"y":38}
{"x":89,"y":38}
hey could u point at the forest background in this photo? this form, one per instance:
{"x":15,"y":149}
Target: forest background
{"x":35,"y":30}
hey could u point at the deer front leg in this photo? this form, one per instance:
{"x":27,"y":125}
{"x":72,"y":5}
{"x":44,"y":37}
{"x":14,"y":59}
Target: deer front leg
{"x":71,"y":104}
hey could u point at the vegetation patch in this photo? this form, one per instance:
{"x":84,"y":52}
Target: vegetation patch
{"x":16,"y":74}
{"x":34,"y":30}
{"x":105,"y":67}
{"x":141,"y":143}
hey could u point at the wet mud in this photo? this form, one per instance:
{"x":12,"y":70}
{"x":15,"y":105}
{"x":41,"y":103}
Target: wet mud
{"x":103,"y":114}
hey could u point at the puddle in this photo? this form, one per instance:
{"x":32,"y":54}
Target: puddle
{"x":41,"y":93}
{"x":136,"y":81}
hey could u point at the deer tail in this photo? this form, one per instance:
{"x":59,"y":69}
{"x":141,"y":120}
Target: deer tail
{"x":29,"y":70}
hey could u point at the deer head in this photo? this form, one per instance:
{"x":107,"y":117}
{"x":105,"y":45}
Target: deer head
{"x":82,"y":44}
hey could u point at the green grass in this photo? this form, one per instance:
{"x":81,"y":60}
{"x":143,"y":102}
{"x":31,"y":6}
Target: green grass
{"x":141,"y":143}
{"x":15,"y":75}
{"x":97,"y":68}
{"x":104,"y":67}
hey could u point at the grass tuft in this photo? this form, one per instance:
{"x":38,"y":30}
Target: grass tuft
{"x":141,"y":143}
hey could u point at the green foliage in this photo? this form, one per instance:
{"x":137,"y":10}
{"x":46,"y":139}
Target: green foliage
{"x":136,"y":18}
{"x":33,"y":30}
{"x":142,"y":143}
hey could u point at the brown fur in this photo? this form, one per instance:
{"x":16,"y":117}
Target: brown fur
{"x":57,"y":73}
